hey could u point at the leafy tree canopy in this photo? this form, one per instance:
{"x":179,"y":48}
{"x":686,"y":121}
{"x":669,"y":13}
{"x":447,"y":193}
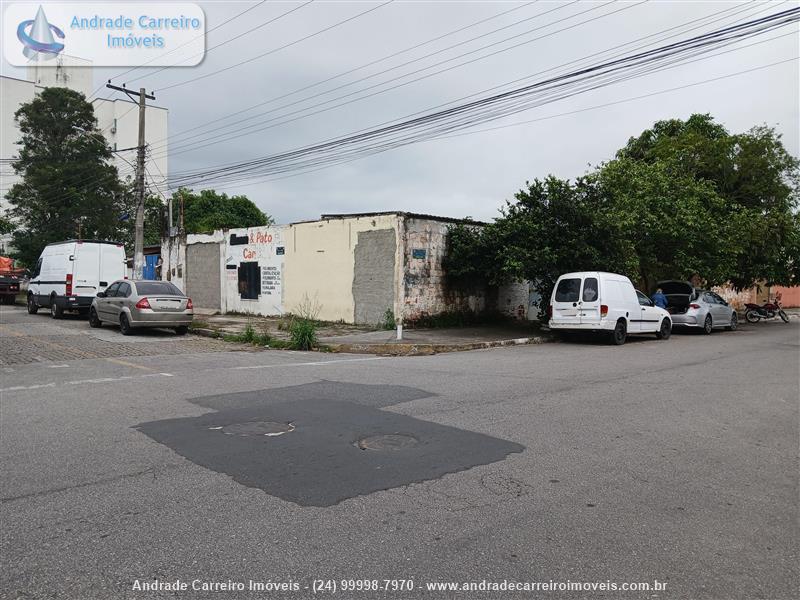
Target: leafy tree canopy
{"x":683,"y":198}
{"x":69,"y":187}
{"x":208,"y":210}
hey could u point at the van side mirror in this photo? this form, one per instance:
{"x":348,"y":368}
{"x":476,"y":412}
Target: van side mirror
{"x":101,"y":294}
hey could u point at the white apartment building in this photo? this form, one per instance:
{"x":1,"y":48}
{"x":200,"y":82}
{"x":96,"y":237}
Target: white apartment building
{"x":117,"y":117}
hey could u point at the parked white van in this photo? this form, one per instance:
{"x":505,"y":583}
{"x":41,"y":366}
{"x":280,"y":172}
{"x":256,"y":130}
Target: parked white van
{"x":605,"y":302}
{"x":69,"y":274}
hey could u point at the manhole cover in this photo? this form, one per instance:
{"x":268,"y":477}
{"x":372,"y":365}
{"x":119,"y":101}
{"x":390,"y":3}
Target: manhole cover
{"x":254,"y":428}
{"x":391,"y":441}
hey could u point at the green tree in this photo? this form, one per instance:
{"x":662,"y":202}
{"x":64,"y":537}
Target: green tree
{"x":667,"y":224}
{"x":755,"y":175}
{"x":6,"y":226}
{"x":208,"y":210}
{"x":550,"y":228}
{"x":683,"y":198}
{"x":69,"y":187}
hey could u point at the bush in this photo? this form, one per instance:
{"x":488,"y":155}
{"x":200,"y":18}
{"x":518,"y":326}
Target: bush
{"x":388,"y":322}
{"x":303,"y":334}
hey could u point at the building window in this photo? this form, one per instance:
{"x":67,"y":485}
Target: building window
{"x":249,"y":280}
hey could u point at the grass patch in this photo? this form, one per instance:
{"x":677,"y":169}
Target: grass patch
{"x":303,"y":334}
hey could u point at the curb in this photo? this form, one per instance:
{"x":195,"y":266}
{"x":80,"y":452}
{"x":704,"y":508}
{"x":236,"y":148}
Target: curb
{"x":391,"y":349}
{"x":428,"y":349}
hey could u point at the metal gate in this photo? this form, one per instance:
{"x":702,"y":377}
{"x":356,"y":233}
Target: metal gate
{"x":202,"y":275}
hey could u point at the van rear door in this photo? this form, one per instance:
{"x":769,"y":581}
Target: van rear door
{"x":85,"y":269}
{"x":590,"y":301}
{"x":112,"y":264}
{"x":565,"y":301}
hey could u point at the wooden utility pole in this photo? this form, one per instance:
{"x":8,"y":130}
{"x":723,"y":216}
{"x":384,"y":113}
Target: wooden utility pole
{"x":138,"y":243}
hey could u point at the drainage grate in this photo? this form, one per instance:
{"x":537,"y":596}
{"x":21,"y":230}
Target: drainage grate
{"x":255,"y":428}
{"x":391,"y":441}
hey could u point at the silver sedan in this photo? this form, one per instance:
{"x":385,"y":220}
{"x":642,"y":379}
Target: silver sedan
{"x":142,"y":303}
{"x":701,"y":309}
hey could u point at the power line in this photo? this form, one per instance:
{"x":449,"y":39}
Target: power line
{"x":297,"y":41}
{"x":527,"y":122}
{"x":369,"y":64}
{"x":257,"y":127}
{"x":142,"y":66}
{"x":251,"y":129}
{"x":491,"y":108}
{"x":229,"y":40}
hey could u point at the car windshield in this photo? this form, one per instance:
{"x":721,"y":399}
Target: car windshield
{"x":568,"y":290}
{"x":157,"y":288}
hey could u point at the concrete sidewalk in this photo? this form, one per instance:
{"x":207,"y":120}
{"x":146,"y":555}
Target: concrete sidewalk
{"x":341,"y":337}
{"x":432,"y":341}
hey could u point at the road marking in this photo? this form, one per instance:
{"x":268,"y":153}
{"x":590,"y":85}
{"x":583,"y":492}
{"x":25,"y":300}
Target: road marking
{"x":57,"y":366}
{"x":19,"y":388}
{"x":308,"y":364}
{"x":125,"y":363}
{"x":27,"y":387}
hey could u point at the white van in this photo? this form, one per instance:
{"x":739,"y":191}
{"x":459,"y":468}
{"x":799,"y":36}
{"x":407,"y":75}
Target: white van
{"x":605,"y":302}
{"x":69,"y":274}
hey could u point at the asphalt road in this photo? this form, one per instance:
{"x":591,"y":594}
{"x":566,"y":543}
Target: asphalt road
{"x":672,"y":461}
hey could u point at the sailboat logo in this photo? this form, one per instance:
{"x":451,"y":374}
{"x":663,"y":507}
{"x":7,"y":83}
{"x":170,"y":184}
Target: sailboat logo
{"x":37,"y":37}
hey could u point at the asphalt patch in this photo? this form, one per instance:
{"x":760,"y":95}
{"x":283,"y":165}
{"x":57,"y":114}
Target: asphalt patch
{"x":360,"y":393}
{"x":320,"y":462}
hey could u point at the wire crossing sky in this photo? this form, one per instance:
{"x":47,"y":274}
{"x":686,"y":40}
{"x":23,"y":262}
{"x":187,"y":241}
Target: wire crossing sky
{"x":313,"y":107}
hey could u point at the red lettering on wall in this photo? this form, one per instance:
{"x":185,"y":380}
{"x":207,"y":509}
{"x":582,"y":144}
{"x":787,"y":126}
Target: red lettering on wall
{"x":259,"y":237}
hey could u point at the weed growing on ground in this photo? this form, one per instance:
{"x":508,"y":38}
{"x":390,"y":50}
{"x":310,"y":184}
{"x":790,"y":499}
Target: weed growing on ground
{"x":388,"y":322}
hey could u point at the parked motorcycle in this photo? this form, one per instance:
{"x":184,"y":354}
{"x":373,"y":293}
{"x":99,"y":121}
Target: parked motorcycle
{"x":768,"y":310}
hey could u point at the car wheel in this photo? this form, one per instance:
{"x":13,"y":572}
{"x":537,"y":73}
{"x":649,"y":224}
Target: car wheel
{"x":125,"y":325}
{"x":665,"y":330}
{"x":55,"y":310}
{"x":94,"y":320}
{"x":182,"y":330}
{"x":619,"y":334}
{"x":33,"y":308}
{"x":734,"y":322}
{"x":708,"y":326}
{"x":783,"y":316}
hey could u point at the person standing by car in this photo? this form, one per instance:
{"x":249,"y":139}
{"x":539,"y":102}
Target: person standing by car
{"x":659,"y":299}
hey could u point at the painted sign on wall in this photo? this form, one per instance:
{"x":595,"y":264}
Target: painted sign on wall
{"x":254,"y":266}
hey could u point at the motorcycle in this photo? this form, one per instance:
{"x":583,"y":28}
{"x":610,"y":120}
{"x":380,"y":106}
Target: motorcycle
{"x":768,"y":310}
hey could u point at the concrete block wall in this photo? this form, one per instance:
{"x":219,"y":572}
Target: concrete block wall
{"x":321,"y":264}
{"x":350,"y":268}
{"x":424,"y":286}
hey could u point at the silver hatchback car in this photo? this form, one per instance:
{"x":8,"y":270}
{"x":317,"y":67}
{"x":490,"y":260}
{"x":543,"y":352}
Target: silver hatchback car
{"x":701,"y":309}
{"x":143,"y":303}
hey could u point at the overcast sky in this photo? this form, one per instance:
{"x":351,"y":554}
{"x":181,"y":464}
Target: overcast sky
{"x":465,"y":175}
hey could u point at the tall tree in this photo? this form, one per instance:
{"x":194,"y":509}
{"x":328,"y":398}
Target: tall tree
{"x":755,"y":175}
{"x":208,"y":210}
{"x":69,"y":187}
{"x":683,"y":198}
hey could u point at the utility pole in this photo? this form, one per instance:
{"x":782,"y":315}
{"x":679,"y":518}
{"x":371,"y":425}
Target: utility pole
{"x":138,"y":243}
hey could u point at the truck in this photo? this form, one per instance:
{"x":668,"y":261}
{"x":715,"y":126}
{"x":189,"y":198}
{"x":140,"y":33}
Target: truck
{"x":11,"y":280}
